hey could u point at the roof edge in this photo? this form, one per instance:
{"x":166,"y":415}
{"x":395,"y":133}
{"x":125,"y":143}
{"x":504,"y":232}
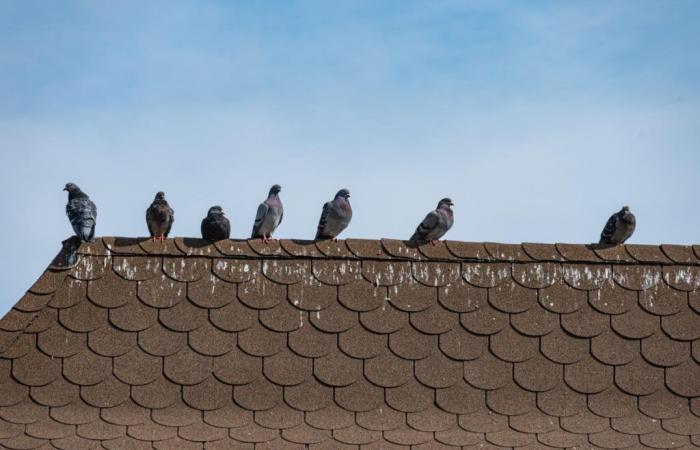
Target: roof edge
{"x":390,"y":249}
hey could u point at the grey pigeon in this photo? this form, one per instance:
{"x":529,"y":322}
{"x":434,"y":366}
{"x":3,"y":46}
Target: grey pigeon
{"x":435,"y":224}
{"x":269,"y":215}
{"x":81,"y":212}
{"x":619,"y":227}
{"x":159,"y":217}
{"x":215,"y":227}
{"x":335,"y":216}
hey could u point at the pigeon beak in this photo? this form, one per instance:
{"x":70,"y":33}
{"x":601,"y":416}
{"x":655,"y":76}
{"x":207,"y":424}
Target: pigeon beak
{"x":65,"y":189}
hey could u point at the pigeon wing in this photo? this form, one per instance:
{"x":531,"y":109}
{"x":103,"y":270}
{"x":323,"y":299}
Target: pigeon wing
{"x":226,"y":227}
{"x":149,"y":221}
{"x":171,"y":219}
{"x":204,"y":227}
{"x":259,"y":217}
{"x":608,"y":230}
{"x":426,"y":226}
{"x":322,"y":221}
{"x":93,"y":209}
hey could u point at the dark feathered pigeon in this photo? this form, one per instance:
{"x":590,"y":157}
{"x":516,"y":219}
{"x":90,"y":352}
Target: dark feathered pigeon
{"x":435,"y":224}
{"x":269,"y":215}
{"x":619,"y":228}
{"x":81,"y":212}
{"x":159,"y":217}
{"x":215,"y":226}
{"x":335,"y":216}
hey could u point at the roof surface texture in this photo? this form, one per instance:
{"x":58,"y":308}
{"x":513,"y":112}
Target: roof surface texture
{"x":355,"y":344}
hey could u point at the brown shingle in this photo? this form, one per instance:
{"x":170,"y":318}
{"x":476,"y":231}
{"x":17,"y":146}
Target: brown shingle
{"x":210,"y":394}
{"x":187,"y":367}
{"x":259,"y":395}
{"x":298,"y":247}
{"x":356,"y":435}
{"x":133,"y":316}
{"x":338,"y":369}
{"x":461,"y":297}
{"x":58,"y":393}
{"x":160,"y":292}
{"x":359,"y":396}
{"x":280,"y":417}
{"x":312,"y":295}
{"x":332,"y":417}
{"x":460,"y":398}
{"x":107,"y":394}
{"x":260,"y":341}
{"x":176,"y":415}
{"x":355,"y":344}
{"x":333,"y":319}
{"x":156,"y":394}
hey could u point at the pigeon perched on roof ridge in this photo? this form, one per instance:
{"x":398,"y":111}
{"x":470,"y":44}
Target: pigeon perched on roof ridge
{"x":335,"y":216}
{"x":268,"y":216}
{"x":618,"y":228}
{"x":159,"y":217}
{"x":435,"y":224}
{"x":81,"y":212}
{"x":216,"y":227}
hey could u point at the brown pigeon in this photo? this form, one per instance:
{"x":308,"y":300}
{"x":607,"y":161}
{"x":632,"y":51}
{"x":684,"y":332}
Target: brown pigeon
{"x":159,"y":218}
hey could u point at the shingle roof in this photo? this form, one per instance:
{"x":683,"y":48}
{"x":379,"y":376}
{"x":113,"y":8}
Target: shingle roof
{"x":355,"y":344}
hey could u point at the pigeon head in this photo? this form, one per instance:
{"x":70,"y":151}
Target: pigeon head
{"x":343,"y":193}
{"x":627,"y":215}
{"x":445,"y":202}
{"x":71,"y":187}
{"x":160,"y":195}
{"x":274,"y":190}
{"x":215,"y":210}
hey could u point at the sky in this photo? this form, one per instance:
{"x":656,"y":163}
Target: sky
{"x":539,"y":119}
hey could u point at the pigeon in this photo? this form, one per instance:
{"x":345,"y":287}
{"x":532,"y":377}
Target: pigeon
{"x":215,"y":226}
{"x":435,"y":224}
{"x":335,"y":216}
{"x":269,"y":215}
{"x":619,"y":227}
{"x":159,"y":218}
{"x":81,"y":212}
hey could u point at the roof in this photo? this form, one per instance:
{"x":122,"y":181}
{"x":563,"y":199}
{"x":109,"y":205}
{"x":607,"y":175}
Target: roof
{"x":355,"y":344}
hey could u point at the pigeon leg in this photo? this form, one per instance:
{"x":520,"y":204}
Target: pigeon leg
{"x":434,"y":242}
{"x":335,"y":239}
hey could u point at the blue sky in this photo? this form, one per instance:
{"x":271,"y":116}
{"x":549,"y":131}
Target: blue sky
{"x":538,"y":118}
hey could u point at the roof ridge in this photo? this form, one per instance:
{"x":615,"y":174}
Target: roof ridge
{"x":399,"y":250}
